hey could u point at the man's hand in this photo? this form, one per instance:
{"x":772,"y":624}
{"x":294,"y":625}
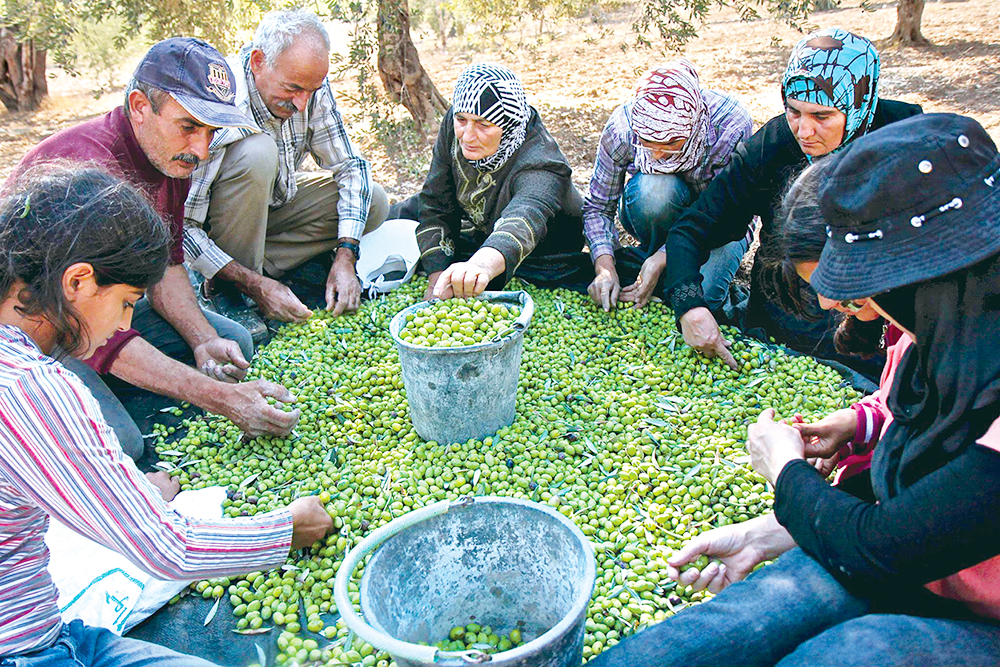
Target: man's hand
{"x":772,"y":444}
{"x":168,"y":486}
{"x":701,"y":332}
{"x":739,"y":548}
{"x":343,"y":289}
{"x":246,"y":405}
{"x":431,"y":282}
{"x":221,"y":359}
{"x":606,"y":286}
{"x":641,"y":291}
{"x":277,"y":301}
{"x":310,"y":521}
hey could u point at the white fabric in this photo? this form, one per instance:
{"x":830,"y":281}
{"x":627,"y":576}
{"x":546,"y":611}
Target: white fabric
{"x":104,"y":589}
{"x":389,"y":249}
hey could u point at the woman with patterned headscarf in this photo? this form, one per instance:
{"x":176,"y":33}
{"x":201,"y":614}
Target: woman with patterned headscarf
{"x":657,"y":152}
{"x":830,"y":93}
{"x":498,"y":196}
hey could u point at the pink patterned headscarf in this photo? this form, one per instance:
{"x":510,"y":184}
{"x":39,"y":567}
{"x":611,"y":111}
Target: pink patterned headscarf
{"x":668,"y":106}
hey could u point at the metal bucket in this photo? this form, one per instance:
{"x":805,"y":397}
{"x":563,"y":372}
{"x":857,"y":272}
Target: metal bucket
{"x":458,"y":393}
{"x":501,"y":560}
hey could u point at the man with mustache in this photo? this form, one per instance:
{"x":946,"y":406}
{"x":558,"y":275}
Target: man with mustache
{"x":252,"y":215}
{"x":180,"y":94}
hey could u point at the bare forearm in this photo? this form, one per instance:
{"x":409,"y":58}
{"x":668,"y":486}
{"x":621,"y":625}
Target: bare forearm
{"x":246,"y":281}
{"x":142,"y":365}
{"x":770,"y":537}
{"x":175,"y":301}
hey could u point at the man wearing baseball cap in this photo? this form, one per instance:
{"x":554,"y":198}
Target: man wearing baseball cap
{"x":180,"y":93}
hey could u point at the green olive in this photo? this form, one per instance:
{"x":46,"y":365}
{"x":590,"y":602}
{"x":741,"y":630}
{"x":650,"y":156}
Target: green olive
{"x":620,"y":427}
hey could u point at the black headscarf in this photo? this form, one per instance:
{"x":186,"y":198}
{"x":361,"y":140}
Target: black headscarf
{"x":946,"y":391}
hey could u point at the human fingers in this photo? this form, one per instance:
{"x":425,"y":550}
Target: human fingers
{"x":232,"y":373}
{"x":482,"y":281}
{"x":341,"y":304}
{"x":443,"y":289}
{"x":643,"y":294}
{"x":722,"y":351}
{"x":469,"y":282}
{"x":766,"y":417}
{"x":719,"y":581}
{"x":279,"y":422}
{"x":274,"y":390}
{"x":706,"y":576}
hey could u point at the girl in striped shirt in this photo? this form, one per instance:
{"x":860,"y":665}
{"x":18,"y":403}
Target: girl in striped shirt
{"x":77,"y":249}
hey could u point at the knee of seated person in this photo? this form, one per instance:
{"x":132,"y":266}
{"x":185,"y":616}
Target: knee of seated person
{"x":130,"y":439}
{"x":657,"y":199}
{"x":379,"y":209}
{"x":244,"y":339}
{"x":257,"y":156}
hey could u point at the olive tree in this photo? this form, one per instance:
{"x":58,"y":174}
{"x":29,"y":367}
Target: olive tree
{"x":31,"y":30}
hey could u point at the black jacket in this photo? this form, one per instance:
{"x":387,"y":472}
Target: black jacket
{"x":529,"y":205}
{"x":751,"y":184}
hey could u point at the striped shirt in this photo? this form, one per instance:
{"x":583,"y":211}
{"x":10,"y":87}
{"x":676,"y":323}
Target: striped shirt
{"x":729,"y":124}
{"x":58,"y":457}
{"x":318,"y":131}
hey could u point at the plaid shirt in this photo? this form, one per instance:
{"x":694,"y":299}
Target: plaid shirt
{"x":729,"y":124}
{"x":59,"y":458}
{"x":319,"y":130}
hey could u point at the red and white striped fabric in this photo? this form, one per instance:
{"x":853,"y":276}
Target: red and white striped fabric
{"x":58,"y":457}
{"x":668,"y":106}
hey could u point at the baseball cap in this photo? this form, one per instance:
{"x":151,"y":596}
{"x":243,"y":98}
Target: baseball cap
{"x":197,"y":77}
{"x":915,"y":200}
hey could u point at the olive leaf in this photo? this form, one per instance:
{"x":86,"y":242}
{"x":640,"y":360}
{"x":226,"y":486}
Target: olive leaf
{"x":215,"y":609}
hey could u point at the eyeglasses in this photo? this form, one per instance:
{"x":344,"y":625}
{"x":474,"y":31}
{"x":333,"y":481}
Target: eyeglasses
{"x":852,"y":306}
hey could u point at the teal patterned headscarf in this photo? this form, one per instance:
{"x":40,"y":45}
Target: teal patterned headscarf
{"x":838,"y":69}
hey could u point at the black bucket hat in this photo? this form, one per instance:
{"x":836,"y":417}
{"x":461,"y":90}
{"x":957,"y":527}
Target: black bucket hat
{"x":912,"y":201}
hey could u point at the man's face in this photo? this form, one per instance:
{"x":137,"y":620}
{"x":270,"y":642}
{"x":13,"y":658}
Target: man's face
{"x":172,"y":140}
{"x":818,"y":129}
{"x":298,"y":72}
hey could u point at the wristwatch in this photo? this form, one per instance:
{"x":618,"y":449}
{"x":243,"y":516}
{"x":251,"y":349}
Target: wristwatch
{"x":352,"y":246}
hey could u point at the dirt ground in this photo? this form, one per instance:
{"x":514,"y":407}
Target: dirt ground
{"x":577,"y":72}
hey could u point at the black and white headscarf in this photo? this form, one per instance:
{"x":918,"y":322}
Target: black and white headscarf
{"x":494,"y":92}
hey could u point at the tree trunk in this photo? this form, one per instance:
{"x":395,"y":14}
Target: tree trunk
{"x":399,"y":66}
{"x":22,"y":73}
{"x":907,"y":32}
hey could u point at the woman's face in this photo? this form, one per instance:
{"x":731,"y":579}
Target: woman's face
{"x":478,"y":137}
{"x":103,"y":311}
{"x":818,"y":129}
{"x":860,"y":308}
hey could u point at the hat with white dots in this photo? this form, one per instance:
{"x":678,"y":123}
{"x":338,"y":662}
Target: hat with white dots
{"x":912,"y":201}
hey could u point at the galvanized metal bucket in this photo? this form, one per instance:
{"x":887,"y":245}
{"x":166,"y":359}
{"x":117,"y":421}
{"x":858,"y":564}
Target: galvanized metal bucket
{"x":458,"y":393}
{"x":500,"y":560}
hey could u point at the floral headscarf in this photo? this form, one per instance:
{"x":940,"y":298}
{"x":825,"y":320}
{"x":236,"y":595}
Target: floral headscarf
{"x":494,"y":92}
{"x":838,"y":69}
{"x":668,"y":106}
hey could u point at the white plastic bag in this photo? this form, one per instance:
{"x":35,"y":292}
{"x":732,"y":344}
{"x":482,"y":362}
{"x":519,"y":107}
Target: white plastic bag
{"x":391,"y":249}
{"x":104,"y":589}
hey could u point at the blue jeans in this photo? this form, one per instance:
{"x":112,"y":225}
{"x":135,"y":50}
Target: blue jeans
{"x":648,"y":208}
{"x":160,"y":334}
{"x":81,"y":645}
{"x":793,"y":613}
